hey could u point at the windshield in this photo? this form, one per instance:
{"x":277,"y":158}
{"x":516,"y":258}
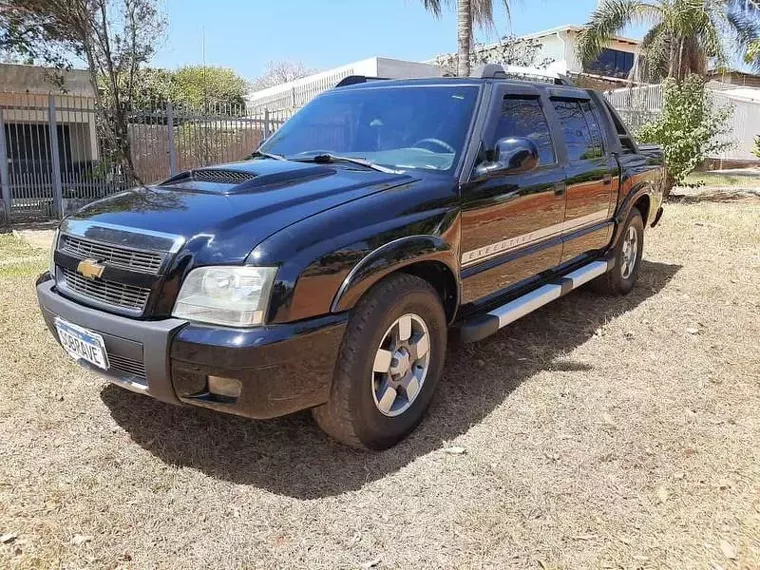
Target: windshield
{"x":399,"y":127}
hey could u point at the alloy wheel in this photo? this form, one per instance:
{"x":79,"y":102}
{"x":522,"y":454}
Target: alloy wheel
{"x":630,"y":252}
{"x":401,"y":364}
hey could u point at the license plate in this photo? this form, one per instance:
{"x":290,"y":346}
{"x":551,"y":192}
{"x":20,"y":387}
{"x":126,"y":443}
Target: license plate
{"x":82,"y":344}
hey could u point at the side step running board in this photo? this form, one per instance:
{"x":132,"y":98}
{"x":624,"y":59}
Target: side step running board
{"x":482,"y":326}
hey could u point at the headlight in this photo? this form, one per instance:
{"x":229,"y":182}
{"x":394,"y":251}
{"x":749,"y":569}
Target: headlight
{"x":230,"y":296}
{"x":51,"y":259}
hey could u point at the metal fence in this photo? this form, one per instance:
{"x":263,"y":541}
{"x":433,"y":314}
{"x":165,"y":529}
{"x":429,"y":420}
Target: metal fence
{"x":639,"y":105}
{"x":53,"y":160}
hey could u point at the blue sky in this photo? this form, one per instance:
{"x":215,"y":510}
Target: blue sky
{"x":246,"y":34}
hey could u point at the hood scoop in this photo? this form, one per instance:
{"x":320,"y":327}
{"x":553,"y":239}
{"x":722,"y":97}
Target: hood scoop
{"x":215,"y":175}
{"x":238,"y":180}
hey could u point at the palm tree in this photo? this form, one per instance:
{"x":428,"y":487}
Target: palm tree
{"x":684,"y":37}
{"x":469,"y":13}
{"x":752,"y":57}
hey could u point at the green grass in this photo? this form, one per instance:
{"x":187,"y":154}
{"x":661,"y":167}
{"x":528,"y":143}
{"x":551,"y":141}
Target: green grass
{"x":19,"y":259}
{"x":23,"y":269}
{"x":724,"y":180}
{"x":12,"y":247}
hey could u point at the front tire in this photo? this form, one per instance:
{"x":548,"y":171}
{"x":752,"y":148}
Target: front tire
{"x":627,"y":255}
{"x":389,"y":364}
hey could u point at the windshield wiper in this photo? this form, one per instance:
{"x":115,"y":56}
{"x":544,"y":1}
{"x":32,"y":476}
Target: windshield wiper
{"x":329,"y":158}
{"x":259,"y":154}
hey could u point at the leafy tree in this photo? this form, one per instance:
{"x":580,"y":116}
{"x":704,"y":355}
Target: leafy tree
{"x":690,"y":128}
{"x":469,"y":14}
{"x":509,"y":50}
{"x":279,"y":72}
{"x":198,"y":86}
{"x":154,"y":87}
{"x":756,"y":150}
{"x":685,"y":35}
{"x":28,"y":33}
{"x":114,"y":37}
{"x":215,"y":89}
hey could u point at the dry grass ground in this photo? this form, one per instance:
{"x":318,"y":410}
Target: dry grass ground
{"x":599,"y":433}
{"x":745,"y":178}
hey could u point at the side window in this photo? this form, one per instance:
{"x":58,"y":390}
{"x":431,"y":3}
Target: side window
{"x":581,"y":129}
{"x":522,"y":117}
{"x":592,"y":119}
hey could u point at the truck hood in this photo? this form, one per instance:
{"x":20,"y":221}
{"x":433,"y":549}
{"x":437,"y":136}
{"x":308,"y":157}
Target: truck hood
{"x":225,"y":211}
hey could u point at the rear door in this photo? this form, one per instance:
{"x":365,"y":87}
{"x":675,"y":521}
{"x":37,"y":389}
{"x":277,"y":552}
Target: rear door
{"x":512,"y":224}
{"x":592,"y":175}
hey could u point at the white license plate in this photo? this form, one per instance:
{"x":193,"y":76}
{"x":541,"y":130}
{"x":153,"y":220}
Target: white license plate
{"x":82,"y":344}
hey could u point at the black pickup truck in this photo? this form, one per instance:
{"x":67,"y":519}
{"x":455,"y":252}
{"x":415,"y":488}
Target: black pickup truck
{"x":327,"y":271}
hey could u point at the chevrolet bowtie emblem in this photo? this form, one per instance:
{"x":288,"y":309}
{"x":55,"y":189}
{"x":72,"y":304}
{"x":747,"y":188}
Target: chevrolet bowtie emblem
{"x":90,"y":268}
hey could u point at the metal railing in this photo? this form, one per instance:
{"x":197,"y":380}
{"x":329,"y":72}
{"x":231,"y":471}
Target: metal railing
{"x":53,"y":159}
{"x":639,"y":105}
{"x":296,"y":94}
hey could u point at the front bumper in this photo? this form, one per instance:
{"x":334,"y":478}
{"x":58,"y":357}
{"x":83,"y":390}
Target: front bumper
{"x":281,"y":369}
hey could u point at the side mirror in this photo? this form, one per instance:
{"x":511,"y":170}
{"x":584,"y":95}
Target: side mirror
{"x":513,"y":155}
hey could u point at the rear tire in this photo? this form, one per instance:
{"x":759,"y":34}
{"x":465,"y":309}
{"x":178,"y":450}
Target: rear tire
{"x":627,"y":255}
{"x":389,"y":364}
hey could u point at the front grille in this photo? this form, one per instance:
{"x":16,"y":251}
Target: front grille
{"x":127,"y":367}
{"x":108,"y":292}
{"x":125,"y":258}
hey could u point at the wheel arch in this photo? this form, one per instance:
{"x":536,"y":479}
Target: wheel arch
{"x":641,"y":196}
{"x":643,"y":204}
{"x":427,"y":257}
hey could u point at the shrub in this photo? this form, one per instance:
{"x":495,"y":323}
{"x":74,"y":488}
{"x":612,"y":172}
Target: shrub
{"x":756,"y":150}
{"x":689,"y":129}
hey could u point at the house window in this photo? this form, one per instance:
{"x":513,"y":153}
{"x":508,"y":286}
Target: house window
{"x":611,"y":63}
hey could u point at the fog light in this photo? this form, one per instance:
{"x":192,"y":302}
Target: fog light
{"x":227,"y":387}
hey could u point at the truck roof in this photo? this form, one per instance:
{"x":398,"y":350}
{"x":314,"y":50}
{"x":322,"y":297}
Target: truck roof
{"x":489,"y":73}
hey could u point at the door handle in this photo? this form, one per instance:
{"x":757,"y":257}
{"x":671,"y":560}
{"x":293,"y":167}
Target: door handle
{"x":607,"y":179}
{"x":560,"y":188}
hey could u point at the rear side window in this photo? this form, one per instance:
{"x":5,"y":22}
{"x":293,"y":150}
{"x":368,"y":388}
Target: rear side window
{"x":581,"y":129}
{"x":622,"y":132}
{"x":592,"y":118}
{"x":524,"y":117}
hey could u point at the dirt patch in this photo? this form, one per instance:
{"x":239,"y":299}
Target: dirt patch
{"x":598,"y":433}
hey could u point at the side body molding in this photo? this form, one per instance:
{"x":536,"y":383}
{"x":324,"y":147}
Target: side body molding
{"x":391,"y":257}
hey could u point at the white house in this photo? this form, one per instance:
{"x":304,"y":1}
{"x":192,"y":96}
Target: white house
{"x":558,"y":44}
{"x":25,"y":97}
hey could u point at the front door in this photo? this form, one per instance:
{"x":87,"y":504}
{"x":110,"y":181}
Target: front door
{"x":512,"y":224}
{"x":592,"y":177}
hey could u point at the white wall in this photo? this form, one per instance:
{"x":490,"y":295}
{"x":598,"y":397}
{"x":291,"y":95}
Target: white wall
{"x":39,"y":80}
{"x":553,"y":47}
{"x":299,"y":92}
{"x":744,"y":126}
{"x":398,"y":69}
{"x":559,"y":45}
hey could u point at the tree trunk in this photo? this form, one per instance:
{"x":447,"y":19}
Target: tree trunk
{"x":681,"y":73}
{"x":464,"y":29}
